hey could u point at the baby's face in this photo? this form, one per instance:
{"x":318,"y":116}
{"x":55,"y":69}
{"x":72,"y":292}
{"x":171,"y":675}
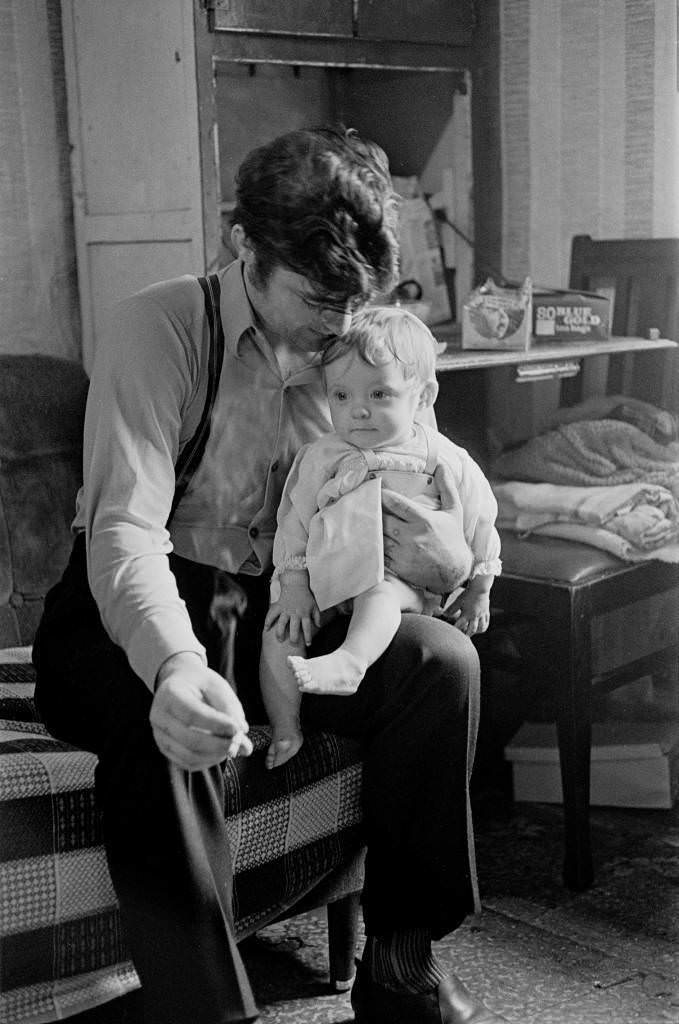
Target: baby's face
{"x":497,"y":321}
{"x":371,"y":406}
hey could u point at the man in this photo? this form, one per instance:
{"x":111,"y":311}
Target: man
{"x":185,"y":455}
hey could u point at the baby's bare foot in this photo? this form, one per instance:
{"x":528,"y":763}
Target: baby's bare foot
{"x":283,"y":746}
{"x":339,"y":672}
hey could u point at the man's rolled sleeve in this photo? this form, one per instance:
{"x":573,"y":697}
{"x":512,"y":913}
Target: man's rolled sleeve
{"x":132,"y":429}
{"x":158,"y":638}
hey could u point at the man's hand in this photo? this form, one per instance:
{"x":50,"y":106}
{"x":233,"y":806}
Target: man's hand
{"x":295,"y":612}
{"x":426,"y":548}
{"x":197,"y":719}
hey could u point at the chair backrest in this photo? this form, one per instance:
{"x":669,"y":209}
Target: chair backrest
{"x":642,"y":277}
{"x":42,"y":406}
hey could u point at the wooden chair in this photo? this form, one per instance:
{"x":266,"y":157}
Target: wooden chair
{"x":600,"y":622}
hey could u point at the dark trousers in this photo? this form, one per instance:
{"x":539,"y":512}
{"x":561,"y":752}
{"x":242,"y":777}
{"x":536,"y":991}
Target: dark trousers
{"x":416,"y":713}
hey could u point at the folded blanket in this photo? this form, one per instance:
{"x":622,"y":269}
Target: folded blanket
{"x":607,"y":541}
{"x":592,"y":452}
{"x":645,"y":516}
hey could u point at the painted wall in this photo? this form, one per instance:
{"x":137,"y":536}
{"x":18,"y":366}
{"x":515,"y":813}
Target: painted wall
{"x":38,"y":283}
{"x":589,"y":125}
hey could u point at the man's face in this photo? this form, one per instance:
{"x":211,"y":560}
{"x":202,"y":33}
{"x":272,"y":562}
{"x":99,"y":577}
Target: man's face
{"x":291,"y":313}
{"x":371,"y":406}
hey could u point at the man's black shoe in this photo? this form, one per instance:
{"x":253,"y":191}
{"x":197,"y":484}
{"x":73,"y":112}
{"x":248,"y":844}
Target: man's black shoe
{"x":450,"y":1003}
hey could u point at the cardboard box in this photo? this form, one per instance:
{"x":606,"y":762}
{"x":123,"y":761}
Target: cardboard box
{"x":420,"y":252}
{"x":498,"y":318}
{"x":571,"y":316}
{"x":634,"y":764}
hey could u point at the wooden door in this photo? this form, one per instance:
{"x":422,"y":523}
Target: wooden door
{"x":136,"y":149}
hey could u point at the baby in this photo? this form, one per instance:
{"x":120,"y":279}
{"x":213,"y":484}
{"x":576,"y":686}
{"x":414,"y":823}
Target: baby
{"x":380,"y":379}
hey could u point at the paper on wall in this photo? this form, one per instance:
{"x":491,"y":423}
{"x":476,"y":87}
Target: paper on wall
{"x":421,"y":259}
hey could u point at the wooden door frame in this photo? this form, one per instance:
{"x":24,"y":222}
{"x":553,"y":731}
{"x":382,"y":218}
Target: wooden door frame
{"x":486,"y":139}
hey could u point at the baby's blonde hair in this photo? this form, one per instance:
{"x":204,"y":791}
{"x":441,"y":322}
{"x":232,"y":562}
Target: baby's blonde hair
{"x":382,"y":333}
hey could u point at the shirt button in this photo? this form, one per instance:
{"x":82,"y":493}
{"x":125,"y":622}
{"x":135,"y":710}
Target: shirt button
{"x":274,"y":467}
{"x":253,"y":531}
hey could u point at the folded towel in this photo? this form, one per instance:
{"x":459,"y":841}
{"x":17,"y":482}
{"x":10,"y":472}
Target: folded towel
{"x":607,"y":541}
{"x":644,"y":515}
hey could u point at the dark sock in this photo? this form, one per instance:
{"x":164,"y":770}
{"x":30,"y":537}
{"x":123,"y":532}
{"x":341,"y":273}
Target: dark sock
{"x":404,"y":960}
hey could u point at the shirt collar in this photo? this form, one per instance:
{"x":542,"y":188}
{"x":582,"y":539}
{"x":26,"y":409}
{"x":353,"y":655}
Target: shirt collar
{"x":237,"y":317}
{"x":238,"y":320}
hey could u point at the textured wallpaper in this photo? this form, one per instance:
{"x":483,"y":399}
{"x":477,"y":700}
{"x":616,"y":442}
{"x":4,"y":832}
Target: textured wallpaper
{"x":38,"y":280}
{"x":589,"y":127}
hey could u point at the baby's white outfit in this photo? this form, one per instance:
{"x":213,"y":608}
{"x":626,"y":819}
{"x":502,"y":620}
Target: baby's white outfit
{"x":330,"y":515}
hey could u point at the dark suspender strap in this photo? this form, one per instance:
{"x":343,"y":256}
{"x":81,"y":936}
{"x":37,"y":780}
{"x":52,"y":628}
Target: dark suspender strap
{"x":194,"y":449}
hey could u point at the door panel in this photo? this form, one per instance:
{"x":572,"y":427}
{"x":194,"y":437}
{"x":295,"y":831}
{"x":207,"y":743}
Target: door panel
{"x":121,"y":269}
{"x":134,"y":131}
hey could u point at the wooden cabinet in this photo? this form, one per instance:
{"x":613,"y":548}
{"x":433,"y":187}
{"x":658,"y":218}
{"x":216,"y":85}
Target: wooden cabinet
{"x":400,"y":75}
{"x":428,"y":21}
{"x":307,"y":17}
{"x":166,"y":97}
{"x":432,"y":34}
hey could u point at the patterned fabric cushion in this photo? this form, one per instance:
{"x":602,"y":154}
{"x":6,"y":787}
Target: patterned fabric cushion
{"x":62,"y":949}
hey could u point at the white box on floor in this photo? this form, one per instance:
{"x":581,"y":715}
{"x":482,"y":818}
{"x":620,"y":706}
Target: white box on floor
{"x":634,"y":764}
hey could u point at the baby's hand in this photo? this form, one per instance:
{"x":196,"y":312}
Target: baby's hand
{"x":296,"y":612}
{"x":470,"y":612}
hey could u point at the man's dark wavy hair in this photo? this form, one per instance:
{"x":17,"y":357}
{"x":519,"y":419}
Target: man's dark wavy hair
{"x":320,"y":202}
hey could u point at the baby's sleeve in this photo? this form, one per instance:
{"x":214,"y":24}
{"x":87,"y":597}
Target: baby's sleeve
{"x":479,"y":515}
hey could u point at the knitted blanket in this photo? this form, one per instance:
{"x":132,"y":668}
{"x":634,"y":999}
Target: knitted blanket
{"x":589,"y":452}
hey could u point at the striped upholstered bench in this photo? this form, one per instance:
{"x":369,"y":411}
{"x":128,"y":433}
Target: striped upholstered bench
{"x":62,"y":947}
